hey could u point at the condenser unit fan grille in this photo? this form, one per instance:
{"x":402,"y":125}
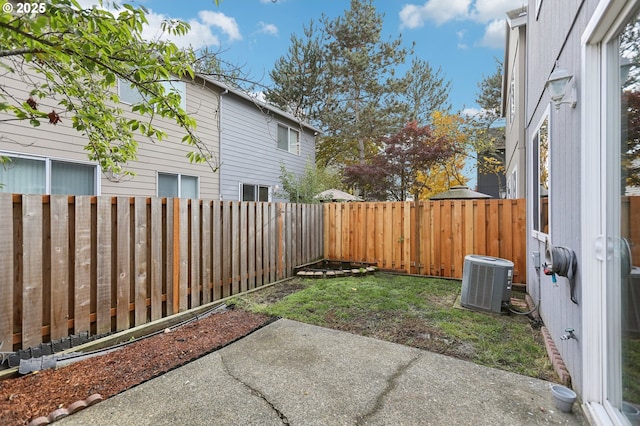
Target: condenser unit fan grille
{"x":486,"y":282}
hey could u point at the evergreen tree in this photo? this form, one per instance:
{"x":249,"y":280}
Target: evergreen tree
{"x":296,"y":76}
{"x":482,"y":129}
{"x":360,"y":92}
{"x":427,"y":92}
{"x":341,"y":78}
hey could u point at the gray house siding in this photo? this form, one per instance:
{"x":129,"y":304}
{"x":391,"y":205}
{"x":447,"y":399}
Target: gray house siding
{"x":513,"y":104}
{"x":249,"y":147}
{"x":62,"y":142}
{"x":553,"y":39}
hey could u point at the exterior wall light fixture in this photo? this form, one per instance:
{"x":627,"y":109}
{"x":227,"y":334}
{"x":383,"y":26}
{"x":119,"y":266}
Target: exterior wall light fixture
{"x":559,"y":89}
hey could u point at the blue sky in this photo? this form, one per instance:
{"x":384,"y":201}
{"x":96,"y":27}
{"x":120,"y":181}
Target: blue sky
{"x":462,"y":37}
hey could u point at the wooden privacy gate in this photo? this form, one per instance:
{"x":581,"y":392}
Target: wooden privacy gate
{"x":428,"y":237}
{"x":102,"y":264}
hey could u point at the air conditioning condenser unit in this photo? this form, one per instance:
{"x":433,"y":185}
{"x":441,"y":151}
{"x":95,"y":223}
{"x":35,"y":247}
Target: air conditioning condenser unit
{"x":486,"y":282}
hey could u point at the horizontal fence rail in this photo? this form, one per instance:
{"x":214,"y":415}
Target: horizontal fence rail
{"x":427,"y":237}
{"x":70,"y":265}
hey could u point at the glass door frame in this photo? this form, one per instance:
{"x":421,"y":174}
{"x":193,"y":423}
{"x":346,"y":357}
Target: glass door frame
{"x":600,"y":123}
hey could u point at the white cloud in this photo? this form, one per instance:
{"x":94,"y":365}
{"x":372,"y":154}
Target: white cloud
{"x":228,"y":25}
{"x":461,"y":43}
{"x":472,"y":112}
{"x":494,"y":34}
{"x":489,"y":10}
{"x":200,"y":35}
{"x":438,"y":11}
{"x":265,"y":28}
{"x":491,"y":13}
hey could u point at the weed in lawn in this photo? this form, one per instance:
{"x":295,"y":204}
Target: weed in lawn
{"x":413,"y":311}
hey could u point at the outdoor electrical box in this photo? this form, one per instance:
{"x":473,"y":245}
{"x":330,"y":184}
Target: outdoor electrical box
{"x":486,"y":283}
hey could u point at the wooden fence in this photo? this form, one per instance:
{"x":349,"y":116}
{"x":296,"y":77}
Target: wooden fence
{"x":428,"y":237}
{"x":103,"y":264}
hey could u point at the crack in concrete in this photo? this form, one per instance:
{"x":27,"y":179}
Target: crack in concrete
{"x":391,"y":385}
{"x":280,"y":414}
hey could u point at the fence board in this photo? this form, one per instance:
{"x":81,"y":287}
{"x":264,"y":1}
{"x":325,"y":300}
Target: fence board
{"x":436,"y":233}
{"x":59,"y":246}
{"x":82,"y":270}
{"x":103,"y":267}
{"x":446,"y":239}
{"x":216,"y":250}
{"x":31,"y":270}
{"x":280,"y":239}
{"x":206,"y":252}
{"x":194,"y":253}
{"x":6,"y":273}
{"x":123,"y":263}
{"x":168,"y":256}
{"x":140,"y":261}
{"x":406,"y":235}
{"x":399,"y":239}
{"x":155,"y":258}
{"x":183,"y":256}
{"x":226,"y":248}
{"x":457,"y":237}
{"x":235,"y":247}
{"x":481,"y":228}
{"x":243,"y":273}
{"x":468,"y":206}
{"x":251,"y":237}
{"x":259,"y":267}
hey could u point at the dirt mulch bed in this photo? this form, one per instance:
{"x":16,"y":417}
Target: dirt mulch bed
{"x":39,"y":394}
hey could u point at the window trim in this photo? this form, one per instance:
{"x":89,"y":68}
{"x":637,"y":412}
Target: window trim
{"x":535,"y":167}
{"x":257,"y":187}
{"x":47,"y":168}
{"x":298,"y":148}
{"x":182,"y":90}
{"x":179,"y":176}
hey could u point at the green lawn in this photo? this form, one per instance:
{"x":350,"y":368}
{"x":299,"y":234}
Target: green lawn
{"x":414,"y":311}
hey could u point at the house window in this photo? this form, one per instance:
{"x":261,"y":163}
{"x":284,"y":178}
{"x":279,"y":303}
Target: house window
{"x":288,"y":139}
{"x":34,"y":175}
{"x":131,"y":95}
{"x":177,"y":185}
{"x":251,"y":192}
{"x":541,"y":171}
